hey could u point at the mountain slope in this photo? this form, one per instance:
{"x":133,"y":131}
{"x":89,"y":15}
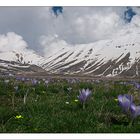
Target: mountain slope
{"x":118,"y":56}
{"x":24,"y":57}
{"x":16,"y":62}
{"x":9,"y":68}
{"x":113,"y":57}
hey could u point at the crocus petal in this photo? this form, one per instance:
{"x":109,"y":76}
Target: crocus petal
{"x":83,"y":91}
{"x":138,"y":86}
{"x":125,"y":101}
{"x":80,"y":91}
{"x":120,"y":97}
{"x":135,"y":110}
{"x":87,"y":92}
{"x":129,"y":97}
{"x":84,"y":95}
{"x":126,"y":104}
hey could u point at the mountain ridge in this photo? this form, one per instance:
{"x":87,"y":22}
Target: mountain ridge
{"x":110,"y":57}
{"x":117,"y":56}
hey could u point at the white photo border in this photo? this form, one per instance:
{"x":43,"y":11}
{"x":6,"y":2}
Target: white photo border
{"x":62,"y":136}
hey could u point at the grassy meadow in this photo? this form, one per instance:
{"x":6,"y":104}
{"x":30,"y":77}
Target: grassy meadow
{"x":52,"y":106}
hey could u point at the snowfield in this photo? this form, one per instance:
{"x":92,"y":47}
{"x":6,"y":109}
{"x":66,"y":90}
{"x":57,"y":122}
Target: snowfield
{"x":115,"y":56}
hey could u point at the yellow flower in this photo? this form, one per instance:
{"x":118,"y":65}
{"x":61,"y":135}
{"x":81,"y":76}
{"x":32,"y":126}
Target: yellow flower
{"x":116,"y":100}
{"x":76,"y":100}
{"x":19,"y":117}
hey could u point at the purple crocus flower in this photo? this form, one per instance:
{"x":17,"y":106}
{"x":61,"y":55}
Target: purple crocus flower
{"x":123,"y":83}
{"x":73,"y":81}
{"x":135,"y":110}
{"x":27,"y":79}
{"x":18,"y":78}
{"x":46,"y":82}
{"x":34,"y":81}
{"x":137,"y":85}
{"x":84,"y":95}
{"x":22,"y":79}
{"x":125,"y":102}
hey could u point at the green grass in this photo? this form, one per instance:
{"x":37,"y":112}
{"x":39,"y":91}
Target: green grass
{"x":46,"y":110}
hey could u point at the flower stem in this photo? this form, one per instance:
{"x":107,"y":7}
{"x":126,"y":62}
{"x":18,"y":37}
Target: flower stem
{"x":131,"y":122}
{"x":25,"y":97}
{"x":83,"y":106}
{"x":13,"y":100}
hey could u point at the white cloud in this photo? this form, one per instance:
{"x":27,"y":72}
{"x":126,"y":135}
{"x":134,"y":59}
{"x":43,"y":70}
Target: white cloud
{"x":51,"y":44}
{"x":136,"y":21}
{"x":137,"y":10}
{"x":80,"y":25}
{"x":12,"y":42}
{"x":77,"y":25}
{"x":84,"y":24}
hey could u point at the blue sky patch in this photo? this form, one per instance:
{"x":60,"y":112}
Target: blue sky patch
{"x":57,"y":10}
{"x":128,"y":14}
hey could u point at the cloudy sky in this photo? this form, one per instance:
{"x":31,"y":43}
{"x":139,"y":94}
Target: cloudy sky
{"x":40,"y":28}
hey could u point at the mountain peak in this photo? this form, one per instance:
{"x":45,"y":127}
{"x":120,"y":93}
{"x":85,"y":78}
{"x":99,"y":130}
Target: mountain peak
{"x":117,"y":56}
{"x":112,"y":57}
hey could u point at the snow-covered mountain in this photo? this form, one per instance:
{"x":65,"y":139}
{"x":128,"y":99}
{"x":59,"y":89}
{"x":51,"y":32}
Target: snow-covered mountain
{"x":23,"y":57}
{"x":18,"y":62}
{"x":119,"y":55}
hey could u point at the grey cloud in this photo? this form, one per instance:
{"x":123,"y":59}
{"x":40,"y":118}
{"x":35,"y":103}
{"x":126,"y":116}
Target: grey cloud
{"x":76,"y":25}
{"x":24,"y":21}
